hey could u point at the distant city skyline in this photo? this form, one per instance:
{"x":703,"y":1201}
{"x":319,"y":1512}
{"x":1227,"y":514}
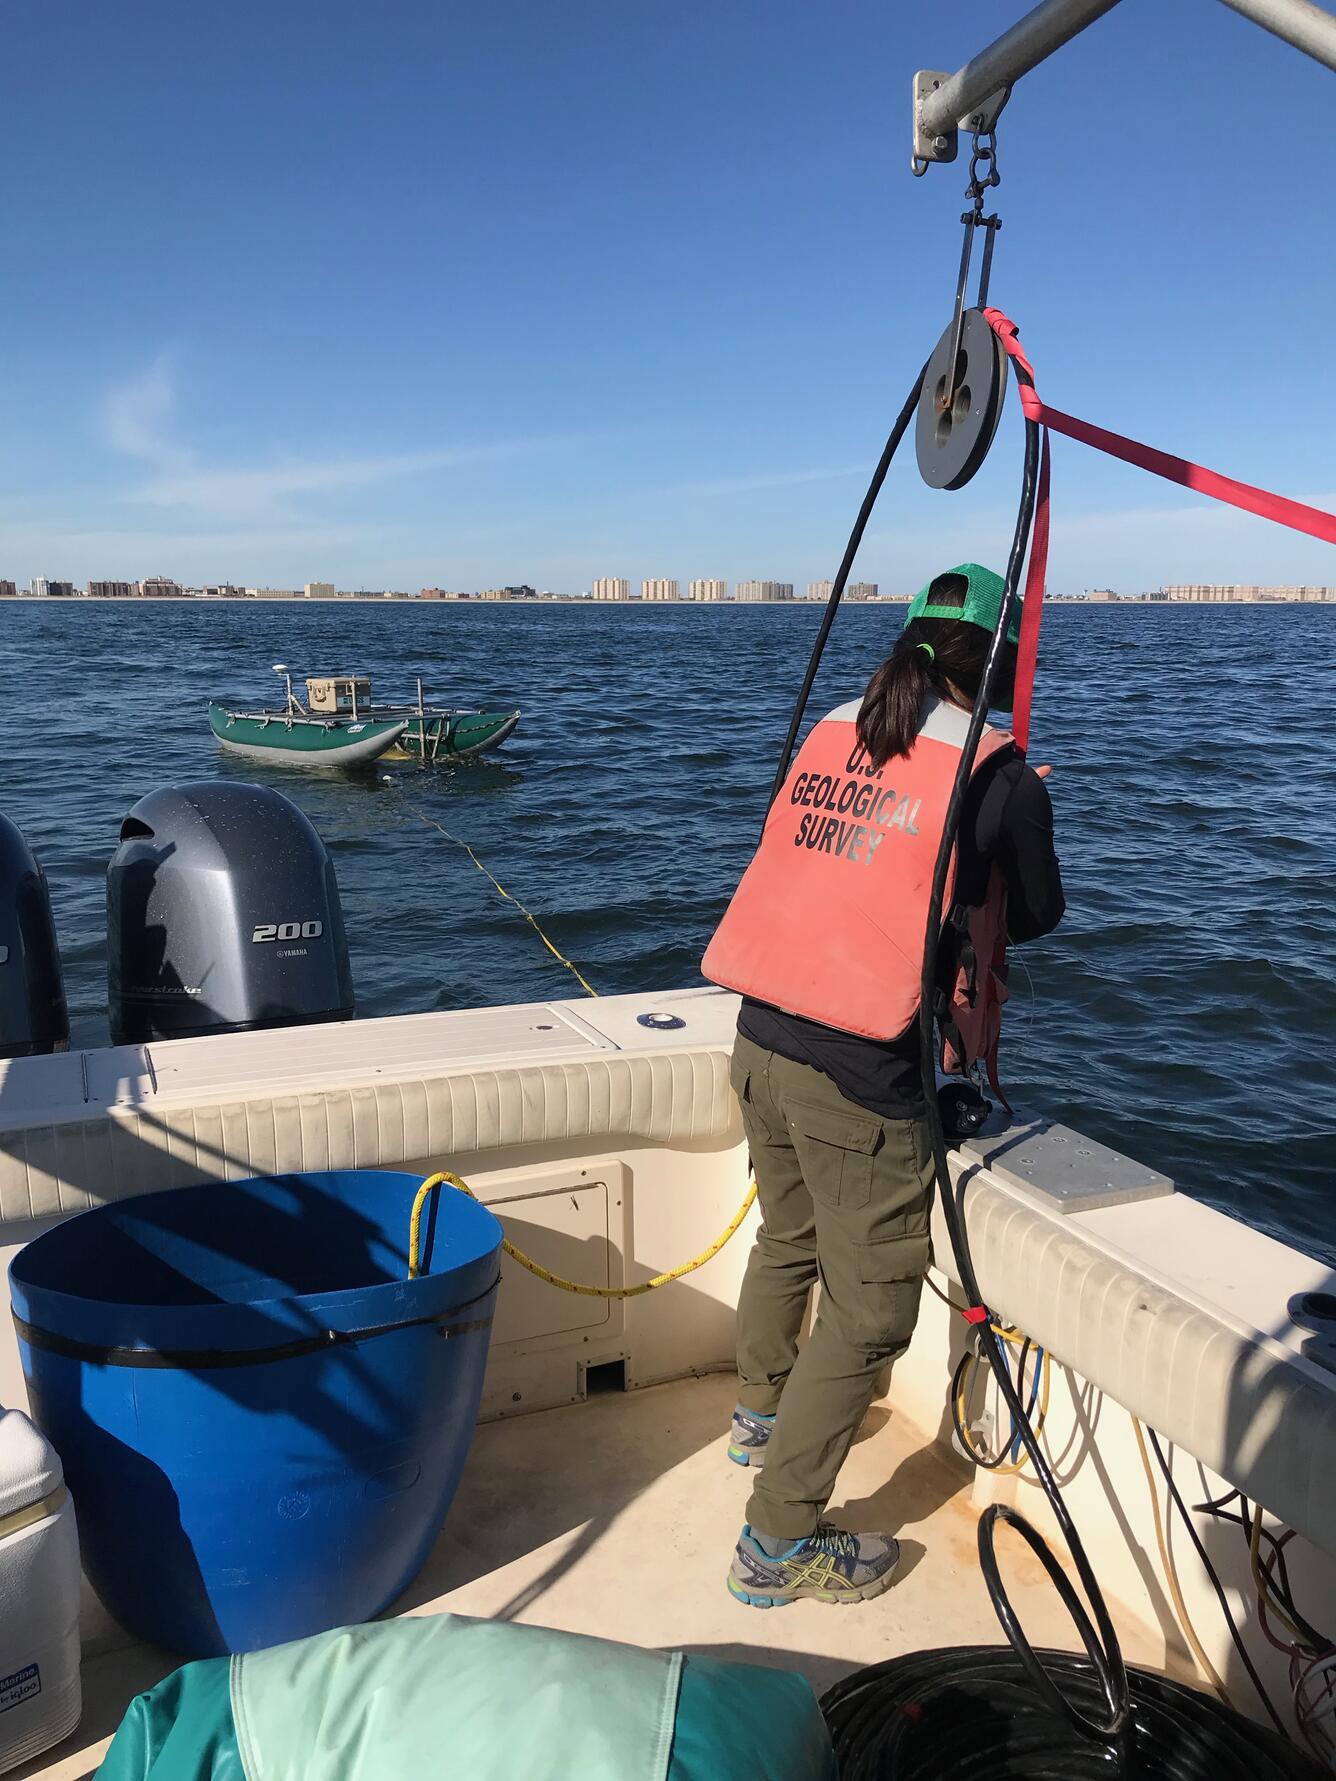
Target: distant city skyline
{"x":445,"y":287}
{"x":653,"y":591}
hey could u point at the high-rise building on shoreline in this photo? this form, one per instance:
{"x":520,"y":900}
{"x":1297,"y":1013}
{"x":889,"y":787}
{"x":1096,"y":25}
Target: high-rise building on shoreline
{"x":658,"y":590}
{"x":764,"y":590}
{"x":612,"y":587}
{"x":1243,"y":591}
{"x":710,"y":589}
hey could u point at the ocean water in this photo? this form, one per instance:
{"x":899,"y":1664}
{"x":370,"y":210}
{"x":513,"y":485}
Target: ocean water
{"x":1182,"y":1013}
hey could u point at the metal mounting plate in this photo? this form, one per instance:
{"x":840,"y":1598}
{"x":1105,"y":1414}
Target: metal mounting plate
{"x":1066,"y":1170}
{"x":926,"y":81}
{"x":952,"y":445}
{"x":983,"y":117}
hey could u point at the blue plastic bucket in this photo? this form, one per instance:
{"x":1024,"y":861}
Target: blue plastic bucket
{"x":262,"y":1420}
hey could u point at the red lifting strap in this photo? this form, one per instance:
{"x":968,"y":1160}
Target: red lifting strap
{"x":1313,"y":520}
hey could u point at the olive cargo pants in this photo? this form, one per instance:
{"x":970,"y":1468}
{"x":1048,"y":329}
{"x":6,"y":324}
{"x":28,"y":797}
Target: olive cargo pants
{"x":845,"y":1196}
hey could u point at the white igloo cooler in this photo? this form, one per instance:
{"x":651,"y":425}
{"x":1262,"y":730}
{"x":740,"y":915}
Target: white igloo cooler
{"x":39,"y":1595}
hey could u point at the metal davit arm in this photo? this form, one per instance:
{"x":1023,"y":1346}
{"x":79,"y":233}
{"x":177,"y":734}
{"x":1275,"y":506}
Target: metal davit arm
{"x":1309,"y":28}
{"x":943,"y":102}
{"x":1029,"y":42}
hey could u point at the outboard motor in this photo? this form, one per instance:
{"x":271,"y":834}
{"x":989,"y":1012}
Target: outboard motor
{"x":33,"y":1016}
{"x":222,"y":916}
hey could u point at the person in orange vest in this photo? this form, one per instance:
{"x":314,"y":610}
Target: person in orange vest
{"x":824,"y":938}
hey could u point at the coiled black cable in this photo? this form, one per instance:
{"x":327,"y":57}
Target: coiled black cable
{"x":969,"y":1713}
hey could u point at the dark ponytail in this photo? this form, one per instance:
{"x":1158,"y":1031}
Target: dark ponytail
{"x":932,"y":657}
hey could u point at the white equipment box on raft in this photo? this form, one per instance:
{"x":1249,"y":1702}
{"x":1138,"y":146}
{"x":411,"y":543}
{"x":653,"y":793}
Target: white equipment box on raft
{"x":39,"y":1595}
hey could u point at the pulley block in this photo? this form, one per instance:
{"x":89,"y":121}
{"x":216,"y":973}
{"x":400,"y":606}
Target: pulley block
{"x":958,"y":416}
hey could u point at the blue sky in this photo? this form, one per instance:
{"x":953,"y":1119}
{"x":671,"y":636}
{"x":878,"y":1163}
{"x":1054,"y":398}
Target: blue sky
{"x":434,"y":293}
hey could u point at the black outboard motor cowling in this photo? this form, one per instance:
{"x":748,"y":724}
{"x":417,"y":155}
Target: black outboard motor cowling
{"x":33,"y":1016}
{"x":223,"y":916}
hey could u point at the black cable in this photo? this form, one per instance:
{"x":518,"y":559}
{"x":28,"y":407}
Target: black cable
{"x":962,"y":1433}
{"x":1275,"y":1571}
{"x":1216,"y":1584}
{"x":1099,"y":1638}
{"x":897,"y":433}
{"x":967,"y":1359}
{"x":1153,"y":1728}
{"x":1214,"y":1505}
{"x":967,"y":1713}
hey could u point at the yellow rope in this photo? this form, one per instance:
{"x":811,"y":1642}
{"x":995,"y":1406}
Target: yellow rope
{"x":1204,"y":1663}
{"x":527,"y":914}
{"x":443,"y":1177}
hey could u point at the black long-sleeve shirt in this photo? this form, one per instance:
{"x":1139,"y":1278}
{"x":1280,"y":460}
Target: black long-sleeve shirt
{"x":1007,"y":818}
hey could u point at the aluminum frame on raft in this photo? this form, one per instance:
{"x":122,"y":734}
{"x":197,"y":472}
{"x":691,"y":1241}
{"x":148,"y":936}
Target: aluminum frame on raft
{"x":944,"y":102}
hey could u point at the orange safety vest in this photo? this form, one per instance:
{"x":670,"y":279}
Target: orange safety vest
{"x":830,"y":917}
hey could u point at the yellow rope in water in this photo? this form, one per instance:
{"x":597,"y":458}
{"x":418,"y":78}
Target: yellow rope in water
{"x":527,"y":914}
{"x":443,"y":1177}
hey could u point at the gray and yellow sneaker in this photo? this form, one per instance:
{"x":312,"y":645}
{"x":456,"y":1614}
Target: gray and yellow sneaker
{"x":749,"y":1437}
{"x":828,"y":1566}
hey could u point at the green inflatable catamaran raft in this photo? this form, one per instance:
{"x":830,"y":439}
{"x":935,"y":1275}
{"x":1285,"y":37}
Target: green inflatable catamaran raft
{"x":339,"y":726}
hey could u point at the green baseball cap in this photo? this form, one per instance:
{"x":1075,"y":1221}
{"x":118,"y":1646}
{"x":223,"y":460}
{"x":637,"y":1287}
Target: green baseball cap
{"x":984,"y":589}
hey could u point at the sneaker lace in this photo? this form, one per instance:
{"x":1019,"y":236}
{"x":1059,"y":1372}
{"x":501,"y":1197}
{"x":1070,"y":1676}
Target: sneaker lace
{"x":836,"y":1541}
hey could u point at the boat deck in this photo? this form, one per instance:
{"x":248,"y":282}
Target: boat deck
{"x":617,"y":1517}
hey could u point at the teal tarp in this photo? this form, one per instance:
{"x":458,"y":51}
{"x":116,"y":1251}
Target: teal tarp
{"x":447,"y":1699}
{"x":449,"y":1696}
{"x":179,"y":1731}
{"x":738,"y":1719}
